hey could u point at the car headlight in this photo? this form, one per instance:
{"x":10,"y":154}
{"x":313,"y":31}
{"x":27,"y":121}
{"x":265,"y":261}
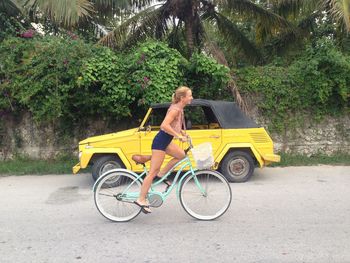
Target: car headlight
{"x":80,"y":154}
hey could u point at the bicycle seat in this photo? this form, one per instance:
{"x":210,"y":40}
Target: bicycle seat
{"x":141,"y":159}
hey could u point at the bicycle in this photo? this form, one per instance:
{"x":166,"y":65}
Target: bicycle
{"x":204,"y":194}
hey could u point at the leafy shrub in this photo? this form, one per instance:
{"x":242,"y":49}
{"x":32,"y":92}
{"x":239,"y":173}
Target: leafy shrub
{"x":146,"y":75}
{"x":316,"y":84}
{"x":40,"y":75}
{"x":9,"y":25}
{"x":207,"y":78}
{"x":65,"y":78}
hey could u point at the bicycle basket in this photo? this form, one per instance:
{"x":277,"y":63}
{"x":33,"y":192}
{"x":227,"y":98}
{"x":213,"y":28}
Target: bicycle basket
{"x":203,"y":155}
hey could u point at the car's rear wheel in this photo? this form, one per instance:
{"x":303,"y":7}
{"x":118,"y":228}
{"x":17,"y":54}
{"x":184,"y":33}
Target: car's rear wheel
{"x":105,"y":163}
{"x":237,"y":166}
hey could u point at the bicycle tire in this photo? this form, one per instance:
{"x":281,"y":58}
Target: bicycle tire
{"x":216,"y":189}
{"x":112,"y":199}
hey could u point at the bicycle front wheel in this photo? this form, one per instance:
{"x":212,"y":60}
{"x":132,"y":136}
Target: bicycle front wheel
{"x":114,"y":196}
{"x":206,"y":195}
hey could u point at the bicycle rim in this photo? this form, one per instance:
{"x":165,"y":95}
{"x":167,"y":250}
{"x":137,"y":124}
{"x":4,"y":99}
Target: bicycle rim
{"x":114,"y":196}
{"x":205,"y":195}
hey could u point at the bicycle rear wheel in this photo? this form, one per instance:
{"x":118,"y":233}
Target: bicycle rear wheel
{"x":206,"y":195}
{"x":114,"y":196}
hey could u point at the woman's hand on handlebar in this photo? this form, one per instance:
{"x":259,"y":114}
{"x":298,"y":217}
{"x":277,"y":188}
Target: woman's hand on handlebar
{"x":182,"y":138}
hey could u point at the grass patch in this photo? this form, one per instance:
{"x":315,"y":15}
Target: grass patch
{"x":303,"y":160}
{"x":24,"y":166}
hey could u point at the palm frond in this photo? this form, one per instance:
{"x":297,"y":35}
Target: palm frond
{"x":154,"y":26}
{"x":176,"y":37}
{"x":62,"y":12}
{"x":340,"y":10}
{"x":109,"y":9}
{"x":213,"y":49}
{"x":10,"y":7}
{"x":143,"y":24}
{"x":251,"y":10}
{"x":286,"y":8}
{"x":123,"y":3}
{"x":291,"y":38}
{"x":232,"y":34}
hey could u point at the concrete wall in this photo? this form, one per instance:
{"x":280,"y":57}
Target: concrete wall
{"x":22,"y":135}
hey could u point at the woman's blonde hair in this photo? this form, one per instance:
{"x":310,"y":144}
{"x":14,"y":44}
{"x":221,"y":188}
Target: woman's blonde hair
{"x":179,"y":93}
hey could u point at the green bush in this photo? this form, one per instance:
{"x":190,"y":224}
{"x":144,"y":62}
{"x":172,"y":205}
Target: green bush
{"x":10,"y":25}
{"x":316,"y":84}
{"x":40,"y":74}
{"x":147,"y":74}
{"x":59,"y":78}
{"x":207,"y":78}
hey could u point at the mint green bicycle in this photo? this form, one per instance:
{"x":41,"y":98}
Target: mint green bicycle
{"x":204,"y":194}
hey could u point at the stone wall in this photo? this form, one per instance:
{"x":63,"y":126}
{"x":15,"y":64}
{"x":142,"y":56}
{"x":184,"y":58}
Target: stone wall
{"x":22,"y":135}
{"x":327,"y":137}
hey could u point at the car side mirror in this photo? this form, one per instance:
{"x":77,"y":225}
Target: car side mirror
{"x":146,"y":129}
{"x":188,"y":125}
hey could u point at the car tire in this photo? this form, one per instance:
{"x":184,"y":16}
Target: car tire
{"x":237,"y":166}
{"x":105,"y":163}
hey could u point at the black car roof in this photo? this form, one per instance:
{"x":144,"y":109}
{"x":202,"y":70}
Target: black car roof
{"x":227,"y":113}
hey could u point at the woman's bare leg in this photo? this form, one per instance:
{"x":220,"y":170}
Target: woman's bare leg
{"x":156,"y":162}
{"x":175,"y":151}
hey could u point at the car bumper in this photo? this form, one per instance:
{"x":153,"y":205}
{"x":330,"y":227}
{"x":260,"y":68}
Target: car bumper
{"x":76,"y":168}
{"x":272,"y":158}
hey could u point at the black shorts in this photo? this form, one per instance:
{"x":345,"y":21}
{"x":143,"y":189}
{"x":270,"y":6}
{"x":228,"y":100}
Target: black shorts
{"x":161,"y":141}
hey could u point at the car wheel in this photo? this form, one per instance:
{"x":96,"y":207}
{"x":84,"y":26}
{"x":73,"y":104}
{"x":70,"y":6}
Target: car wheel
{"x":237,"y":166}
{"x":104,"y":164}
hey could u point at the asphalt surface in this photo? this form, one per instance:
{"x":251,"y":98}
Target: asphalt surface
{"x":295,"y":214}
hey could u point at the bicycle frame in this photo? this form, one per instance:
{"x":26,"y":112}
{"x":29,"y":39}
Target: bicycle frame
{"x":185,"y":162}
{"x":138,"y":177}
{"x":131,"y":196}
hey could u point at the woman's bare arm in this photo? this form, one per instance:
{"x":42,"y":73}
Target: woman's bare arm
{"x":165,"y":126}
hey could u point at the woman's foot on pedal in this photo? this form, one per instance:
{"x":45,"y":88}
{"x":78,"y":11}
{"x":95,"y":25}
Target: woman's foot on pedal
{"x":144,"y":207}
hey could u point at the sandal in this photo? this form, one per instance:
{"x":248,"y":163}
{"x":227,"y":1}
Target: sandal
{"x":143,"y":208}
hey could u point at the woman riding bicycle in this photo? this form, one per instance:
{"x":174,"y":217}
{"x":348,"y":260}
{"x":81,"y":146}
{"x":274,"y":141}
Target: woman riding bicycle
{"x":162,"y":143}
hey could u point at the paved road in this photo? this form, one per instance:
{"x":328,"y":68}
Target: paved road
{"x":295,"y":214}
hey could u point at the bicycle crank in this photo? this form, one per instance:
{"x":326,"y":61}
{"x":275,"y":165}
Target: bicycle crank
{"x":155,"y":200}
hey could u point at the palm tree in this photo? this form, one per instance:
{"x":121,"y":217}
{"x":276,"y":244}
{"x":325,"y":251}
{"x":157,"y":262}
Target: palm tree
{"x":187,"y":18}
{"x":68,"y":13}
{"x":307,"y":14}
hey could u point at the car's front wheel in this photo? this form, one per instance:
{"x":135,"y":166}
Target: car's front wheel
{"x":105,"y":163}
{"x":237,"y":166}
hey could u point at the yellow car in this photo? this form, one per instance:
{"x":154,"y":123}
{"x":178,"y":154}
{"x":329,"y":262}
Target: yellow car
{"x":239,"y":144}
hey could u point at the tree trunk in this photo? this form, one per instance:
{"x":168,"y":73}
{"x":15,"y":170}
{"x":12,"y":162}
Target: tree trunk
{"x":189,"y":34}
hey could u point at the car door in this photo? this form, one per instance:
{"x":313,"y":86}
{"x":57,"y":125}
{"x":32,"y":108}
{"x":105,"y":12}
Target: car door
{"x":150,"y":130}
{"x":202,"y":126}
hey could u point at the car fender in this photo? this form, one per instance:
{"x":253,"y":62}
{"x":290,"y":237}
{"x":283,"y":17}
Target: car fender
{"x":88,"y":153}
{"x":240,"y":145}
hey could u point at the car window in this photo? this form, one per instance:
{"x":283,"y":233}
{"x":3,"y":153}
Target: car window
{"x":196,"y":118}
{"x":200,"y":117}
{"x":156,"y":117}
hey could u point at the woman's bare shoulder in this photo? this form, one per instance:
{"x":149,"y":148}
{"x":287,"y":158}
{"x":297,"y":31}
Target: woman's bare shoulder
{"x":174,"y":107}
